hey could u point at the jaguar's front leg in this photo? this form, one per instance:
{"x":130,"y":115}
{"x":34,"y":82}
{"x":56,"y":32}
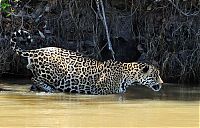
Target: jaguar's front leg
{"x":41,"y":86}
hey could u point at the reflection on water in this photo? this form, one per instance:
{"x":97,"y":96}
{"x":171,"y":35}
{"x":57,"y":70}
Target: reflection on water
{"x":174,"y":106}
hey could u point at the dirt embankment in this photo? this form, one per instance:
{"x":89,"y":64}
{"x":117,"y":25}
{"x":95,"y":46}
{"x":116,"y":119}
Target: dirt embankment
{"x":164,"y":33}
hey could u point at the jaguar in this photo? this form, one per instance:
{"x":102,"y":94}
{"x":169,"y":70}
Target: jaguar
{"x":59,"y":70}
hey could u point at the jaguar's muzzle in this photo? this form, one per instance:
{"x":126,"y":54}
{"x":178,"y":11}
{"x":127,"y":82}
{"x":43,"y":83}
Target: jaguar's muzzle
{"x":156,"y":87}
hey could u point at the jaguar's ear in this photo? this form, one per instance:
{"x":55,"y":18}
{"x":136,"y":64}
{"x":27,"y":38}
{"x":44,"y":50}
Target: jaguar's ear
{"x":145,"y":69}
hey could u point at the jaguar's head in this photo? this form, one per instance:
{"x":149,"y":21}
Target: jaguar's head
{"x":149,"y":76}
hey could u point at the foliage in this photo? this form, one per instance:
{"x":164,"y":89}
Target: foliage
{"x":5,"y":6}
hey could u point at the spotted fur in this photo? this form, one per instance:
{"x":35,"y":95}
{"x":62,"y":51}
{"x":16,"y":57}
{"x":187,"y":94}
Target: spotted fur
{"x":68,"y":71}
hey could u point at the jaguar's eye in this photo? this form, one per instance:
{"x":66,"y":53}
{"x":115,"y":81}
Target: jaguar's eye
{"x":145,"y":69}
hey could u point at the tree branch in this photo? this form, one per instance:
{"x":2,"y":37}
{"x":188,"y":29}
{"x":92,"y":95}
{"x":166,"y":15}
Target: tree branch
{"x":103,"y":18}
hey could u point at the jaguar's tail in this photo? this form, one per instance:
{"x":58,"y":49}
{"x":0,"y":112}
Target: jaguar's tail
{"x":19,"y":37}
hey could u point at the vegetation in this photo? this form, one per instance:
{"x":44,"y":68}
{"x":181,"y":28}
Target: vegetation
{"x":6,"y":6}
{"x":163,"y":33}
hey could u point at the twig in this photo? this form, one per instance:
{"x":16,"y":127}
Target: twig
{"x":95,"y":41}
{"x":185,"y":14}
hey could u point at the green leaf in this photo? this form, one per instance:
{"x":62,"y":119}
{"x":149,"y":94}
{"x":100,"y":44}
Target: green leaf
{"x":5,"y":5}
{"x":8,"y":15}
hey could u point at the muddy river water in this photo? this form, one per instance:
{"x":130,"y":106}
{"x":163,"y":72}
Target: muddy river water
{"x":174,"y":106}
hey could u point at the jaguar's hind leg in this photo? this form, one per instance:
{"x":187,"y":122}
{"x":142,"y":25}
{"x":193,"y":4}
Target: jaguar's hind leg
{"x":41,"y":86}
